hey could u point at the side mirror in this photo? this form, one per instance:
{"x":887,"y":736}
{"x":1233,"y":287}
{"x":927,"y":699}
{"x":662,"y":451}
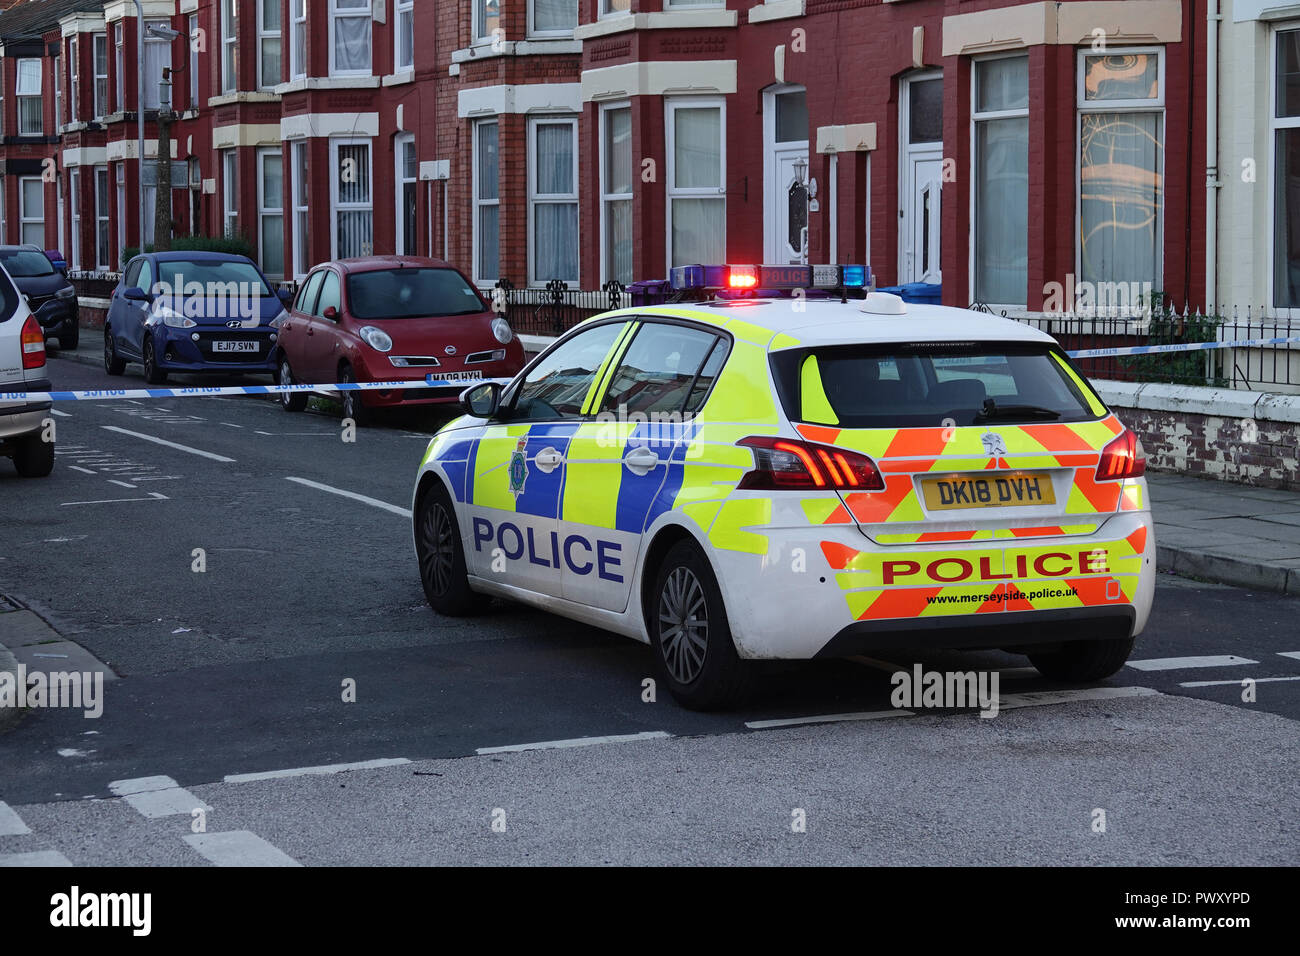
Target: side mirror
{"x":331,"y":313}
{"x":135,"y":294}
{"x":285,"y":296}
{"x":481,"y":401}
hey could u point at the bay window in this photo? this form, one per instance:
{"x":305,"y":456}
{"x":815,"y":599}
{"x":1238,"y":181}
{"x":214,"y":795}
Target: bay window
{"x":552,"y":17}
{"x":301,"y":202}
{"x":101,"y":218}
{"x":229,"y":192}
{"x":404,"y":37}
{"x":193,"y":68}
{"x":74,"y":87}
{"x":298,"y":39}
{"x":229,"y":46}
{"x":487,"y":201}
{"x":616,"y":172}
{"x":487,"y":19}
{"x":31,"y":210}
{"x":31,"y":121}
{"x":157,"y":57}
{"x":119,"y":65}
{"x":1000,"y":127}
{"x":697,"y":204}
{"x":553,"y":200}
{"x":99,"y":45}
{"x":349,"y":37}
{"x":268,"y":40}
{"x":74,"y":204}
{"x":270,"y":209}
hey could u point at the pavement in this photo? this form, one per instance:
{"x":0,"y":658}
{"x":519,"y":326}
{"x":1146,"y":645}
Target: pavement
{"x":1206,"y":528}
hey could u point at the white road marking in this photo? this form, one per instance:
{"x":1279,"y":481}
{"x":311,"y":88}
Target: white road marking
{"x":256,"y":432}
{"x":39,"y":858}
{"x":1179,"y":663}
{"x":114,"y":481}
{"x":10,"y":823}
{"x":238,"y":848}
{"x":158,"y":478}
{"x":1043,"y":697}
{"x":168,"y":444}
{"x":1234,"y":683}
{"x":55,"y":411}
{"x":153,"y":496}
{"x":575,"y":742}
{"x":73,"y":752}
{"x":374,"y":502}
{"x":229,"y":425}
{"x":84,"y":470}
{"x":1292,"y":654}
{"x":827,"y":719}
{"x":322,"y":770}
{"x":157,"y":797}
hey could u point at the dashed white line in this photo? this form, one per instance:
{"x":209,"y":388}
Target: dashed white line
{"x":1295,"y":655}
{"x":322,"y":770}
{"x":83,"y":470}
{"x":364,"y":499}
{"x":157,"y":797}
{"x":153,"y":496}
{"x":1180,"y":663}
{"x":827,"y":719}
{"x":575,"y":742}
{"x":10,"y":823}
{"x":238,"y":848}
{"x":169,"y":444}
{"x":114,"y":481}
{"x":55,"y":411}
{"x":1044,"y":697}
{"x":1234,"y":683}
{"x":39,"y":858}
{"x":230,"y":425}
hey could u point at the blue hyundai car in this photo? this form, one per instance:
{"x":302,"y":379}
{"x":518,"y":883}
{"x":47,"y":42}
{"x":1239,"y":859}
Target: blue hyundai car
{"x":193,"y":312}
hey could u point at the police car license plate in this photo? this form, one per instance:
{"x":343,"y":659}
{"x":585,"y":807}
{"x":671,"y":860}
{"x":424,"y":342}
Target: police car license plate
{"x":236,"y":346}
{"x":988,"y":491}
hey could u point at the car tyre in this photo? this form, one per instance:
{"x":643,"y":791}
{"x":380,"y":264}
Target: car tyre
{"x":442,"y":558}
{"x":290,"y":401}
{"x":68,"y":340}
{"x":112,"y":364}
{"x":690,"y":634}
{"x":353,"y":407}
{"x":34,"y":457}
{"x":153,"y":375}
{"x":1082,"y":661}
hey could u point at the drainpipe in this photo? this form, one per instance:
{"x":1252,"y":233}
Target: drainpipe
{"x":1212,"y":184}
{"x":139,"y":108}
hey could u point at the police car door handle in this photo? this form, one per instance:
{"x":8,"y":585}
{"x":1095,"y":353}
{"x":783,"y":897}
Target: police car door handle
{"x":548,"y":459}
{"x":641,"y":460}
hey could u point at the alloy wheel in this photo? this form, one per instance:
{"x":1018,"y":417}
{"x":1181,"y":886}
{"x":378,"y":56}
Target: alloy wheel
{"x":683,"y":625}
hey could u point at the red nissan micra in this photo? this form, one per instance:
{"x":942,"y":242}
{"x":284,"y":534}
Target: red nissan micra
{"x":391,"y":318}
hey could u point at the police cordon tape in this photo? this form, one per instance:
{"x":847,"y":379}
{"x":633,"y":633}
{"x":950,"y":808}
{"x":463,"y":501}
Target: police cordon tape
{"x":218,"y":391}
{"x":224,"y":390}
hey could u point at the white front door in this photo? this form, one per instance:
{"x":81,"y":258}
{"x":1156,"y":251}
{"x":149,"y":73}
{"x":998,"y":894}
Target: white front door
{"x":920,"y":178}
{"x":785,"y":195}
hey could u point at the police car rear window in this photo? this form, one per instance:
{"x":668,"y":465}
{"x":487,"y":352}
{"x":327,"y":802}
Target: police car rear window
{"x":930,"y":384}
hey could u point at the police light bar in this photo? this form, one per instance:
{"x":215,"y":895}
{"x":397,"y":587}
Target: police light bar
{"x":776,"y":277}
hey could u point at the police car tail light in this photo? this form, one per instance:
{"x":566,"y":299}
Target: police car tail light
{"x":784,"y":463}
{"x":33,"y":343}
{"x":1123,"y":457}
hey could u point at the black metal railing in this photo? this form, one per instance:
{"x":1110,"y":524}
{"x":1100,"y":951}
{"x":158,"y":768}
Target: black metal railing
{"x":556,"y":308}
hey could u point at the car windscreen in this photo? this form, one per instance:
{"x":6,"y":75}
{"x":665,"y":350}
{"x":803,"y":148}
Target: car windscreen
{"x":410,"y":293}
{"x":212,"y":279}
{"x":932,"y":385}
{"x":25,"y":262}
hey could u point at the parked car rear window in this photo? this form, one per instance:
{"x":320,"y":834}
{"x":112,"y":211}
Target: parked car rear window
{"x":25,"y":262}
{"x":930,"y":385}
{"x":410,"y":294}
{"x":8,"y":298}
{"x":215,"y":277}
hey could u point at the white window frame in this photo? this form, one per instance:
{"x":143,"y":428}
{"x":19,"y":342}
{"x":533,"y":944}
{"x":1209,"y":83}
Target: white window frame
{"x":263,"y":34}
{"x":74,"y":197}
{"x":336,"y":206}
{"x":297,"y":47}
{"x":119,"y":62}
{"x":57,"y":64}
{"x":403,"y":10}
{"x":25,"y":218}
{"x":20,"y":95}
{"x":299,"y":160}
{"x":265,"y":212}
{"x":671,"y":192}
{"x":74,"y":92}
{"x":335,"y":14}
{"x":400,"y":181}
{"x":1156,"y":105}
{"x":120,"y":177}
{"x":548,"y":34}
{"x":477,"y":8}
{"x":192,"y":26}
{"x":102,"y":230}
{"x":229,"y":190}
{"x":551,"y":199}
{"x":100,"y":99}
{"x":476,"y":203}
{"x":1275,"y":124}
{"x":229,"y":10}
{"x":603,"y":11}
{"x":982,"y":117}
{"x":689,"y":5}
{"x":605,"y":195}
{"x":152,"y":83}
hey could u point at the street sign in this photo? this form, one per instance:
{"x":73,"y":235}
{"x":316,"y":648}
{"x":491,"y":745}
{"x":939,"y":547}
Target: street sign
{"x":180,"y":173}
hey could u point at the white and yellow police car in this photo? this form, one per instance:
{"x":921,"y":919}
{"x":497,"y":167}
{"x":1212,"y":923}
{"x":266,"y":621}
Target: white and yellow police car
{"x":745,"y":479}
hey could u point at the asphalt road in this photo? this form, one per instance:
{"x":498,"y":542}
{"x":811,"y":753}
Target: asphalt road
{"x":241,"y":668}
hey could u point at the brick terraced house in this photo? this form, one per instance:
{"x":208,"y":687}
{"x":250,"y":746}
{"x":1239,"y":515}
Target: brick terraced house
{"x":994,"y":147}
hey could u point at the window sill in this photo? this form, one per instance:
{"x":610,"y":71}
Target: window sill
{"x":244,"y":96}
{"x":779,"y":10}
{"x":484,"y":50}
{"x":716,"y":17}
{"x":328,"y":83}
{"x":400,"y":78}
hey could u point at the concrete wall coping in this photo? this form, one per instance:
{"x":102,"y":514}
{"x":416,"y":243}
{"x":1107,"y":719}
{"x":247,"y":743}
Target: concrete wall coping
{"x":1196,"y":400}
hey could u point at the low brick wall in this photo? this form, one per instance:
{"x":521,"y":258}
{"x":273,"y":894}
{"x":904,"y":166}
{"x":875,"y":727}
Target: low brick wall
{"x":1252,"y":438}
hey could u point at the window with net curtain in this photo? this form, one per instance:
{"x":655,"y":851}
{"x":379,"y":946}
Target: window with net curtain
{"x":1286,"y":172}
{"x":157,"y":54}
{"x":351,"y":51}
{"x":272,"y":212}
{"x":1001,"y":120}
{"x":697,"y":206}
{"x":616,"y":189}
{"x":554,"y":16}
{"x":30,"y":122}
{"x":32,"y":213}
{"x":554,"y":202}
{"x":486,"y":201}
{"x":1121,"y":169}
{"x":354,"y":226}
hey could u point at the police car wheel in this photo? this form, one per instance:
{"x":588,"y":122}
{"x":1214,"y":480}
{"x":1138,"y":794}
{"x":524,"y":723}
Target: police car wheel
{"x":691,"y":636}
{"x":442,"y":561}
{"x":290,"y":401}
{"x":1083,"y":660}
{"x":353,"y":407}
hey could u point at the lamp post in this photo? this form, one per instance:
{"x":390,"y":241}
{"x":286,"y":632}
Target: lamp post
{"x":162,"y":230}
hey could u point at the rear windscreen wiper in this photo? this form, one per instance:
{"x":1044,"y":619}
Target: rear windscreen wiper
{"x":992,"y":410}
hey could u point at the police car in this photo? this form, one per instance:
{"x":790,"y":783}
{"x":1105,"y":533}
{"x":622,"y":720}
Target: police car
{"x":744,"y":479}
